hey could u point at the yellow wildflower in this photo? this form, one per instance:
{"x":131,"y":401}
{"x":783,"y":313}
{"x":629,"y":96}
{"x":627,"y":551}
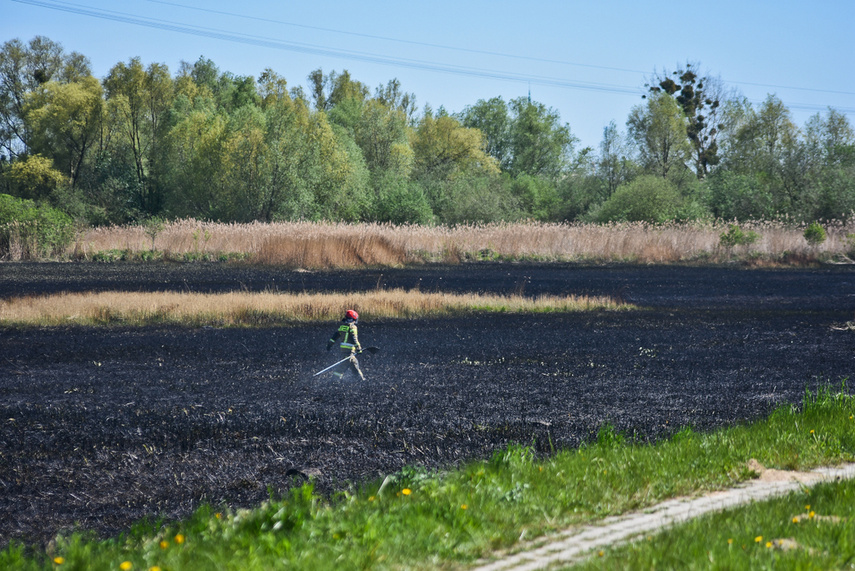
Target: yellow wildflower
{"x":406,"y":491}
{"x":59,"y":560}
{"x":464,"y":506}
{"x":125,"y":565}
{"x":758,"y":539}
{"x":164,"y":544}
{"x":179,"y":539}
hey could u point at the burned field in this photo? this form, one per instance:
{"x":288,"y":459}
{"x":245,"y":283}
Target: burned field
{"x":101,"y":427}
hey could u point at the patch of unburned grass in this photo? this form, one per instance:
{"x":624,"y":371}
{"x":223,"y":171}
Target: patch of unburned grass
{"x":809,"y":529}
{"x":268,"y":308}
{"x":419,"y":519}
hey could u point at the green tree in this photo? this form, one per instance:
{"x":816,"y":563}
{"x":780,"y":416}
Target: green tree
{"x":198,"y":146}
{"x":540,"y":144}
{"x":830,"y":144}
{"x":392,"y":97}
{"x":767,"y":146}
{"x":380,"y":131}
{"x":735,"y":196}
{"x":492,"y":117}
{"x":328,"y":90}
{"x":701,"y":98}
{"x":139,"y":99}
{"x":443,"y":147}
{"x":23,"y":69}
{"x":614,"y":165}
{"x":658,"y":129}
{"x":65,"y":121}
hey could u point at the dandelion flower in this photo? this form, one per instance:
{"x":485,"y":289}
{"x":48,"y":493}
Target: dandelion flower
{"x":796,"y":519}
{"x":768,"y":544}
{"x":125,"y":565}
{"x":600,"y":554}
{"x":812,"y":514}
{"x":154,"y":568}
{"x":59,"y":560}
{"x":218,"y":515}
{"x":758,"y":539}
{"x":179,"y":539}
{"x":730,"y":541}
{"x":164,"y":544}
{"x":371,"y":498}
{"x":464,"y":506}
{"x":406,"y":491}
{"x":811,"y":430}
{"x":807,"y":507}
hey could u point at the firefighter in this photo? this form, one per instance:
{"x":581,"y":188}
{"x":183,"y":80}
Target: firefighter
{"x":349,"y":343}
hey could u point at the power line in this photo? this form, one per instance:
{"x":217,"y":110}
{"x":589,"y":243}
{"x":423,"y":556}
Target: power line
{"x":397,"y":40}
{"x":274,"y":43}
{"x":461,"y":49}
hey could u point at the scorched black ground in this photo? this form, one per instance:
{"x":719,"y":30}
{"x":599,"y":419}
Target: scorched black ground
{"x":101,"y":427}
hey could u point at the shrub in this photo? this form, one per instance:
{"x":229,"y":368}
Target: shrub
{"x":736,"y":236}
{"x":34,"y":177}
{"x":646,"y":199}
{"x":815,"y":234}
{"x":400,"y":201}
{"x":29,"y":231}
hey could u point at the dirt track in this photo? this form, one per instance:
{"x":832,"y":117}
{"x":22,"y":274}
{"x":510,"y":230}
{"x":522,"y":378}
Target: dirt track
{"x":102,"y":427}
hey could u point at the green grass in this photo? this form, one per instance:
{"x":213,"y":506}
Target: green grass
{"x":416,"y":519}
{"x":809,"y":529}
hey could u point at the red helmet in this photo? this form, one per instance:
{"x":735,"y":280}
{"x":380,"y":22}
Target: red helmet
{"x":350,"y":314}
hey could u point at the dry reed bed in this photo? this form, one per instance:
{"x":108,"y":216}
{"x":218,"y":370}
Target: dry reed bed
{"x":266,"y":308}
{"x":318,"y":245}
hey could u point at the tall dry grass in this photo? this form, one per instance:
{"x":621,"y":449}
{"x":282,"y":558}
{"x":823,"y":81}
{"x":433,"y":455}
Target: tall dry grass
{"x":320,"y":245}
{"x":266,"y":308}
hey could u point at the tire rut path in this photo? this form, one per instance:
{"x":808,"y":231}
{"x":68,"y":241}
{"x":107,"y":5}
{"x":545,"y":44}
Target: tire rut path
{"x":578,"y":543}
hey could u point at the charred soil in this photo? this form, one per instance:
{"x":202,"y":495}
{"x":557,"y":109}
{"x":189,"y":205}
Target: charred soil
{"x":104,"y":426}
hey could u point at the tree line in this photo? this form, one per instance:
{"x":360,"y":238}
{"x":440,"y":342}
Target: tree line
{"x":145,"y":143}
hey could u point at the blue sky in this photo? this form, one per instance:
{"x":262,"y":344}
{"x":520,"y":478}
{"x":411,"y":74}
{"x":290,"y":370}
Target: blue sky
{"x":587,"y":60}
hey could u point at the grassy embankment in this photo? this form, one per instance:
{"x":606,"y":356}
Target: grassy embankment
{"x":322,"y":245}
{"x":265,"y":309}
{"x":415,"y":519}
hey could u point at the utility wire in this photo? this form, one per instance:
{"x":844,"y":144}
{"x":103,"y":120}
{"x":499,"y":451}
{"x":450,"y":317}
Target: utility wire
{"x":397,"y":40}
{"x":461,"y":49}
{"x":273,"y":43}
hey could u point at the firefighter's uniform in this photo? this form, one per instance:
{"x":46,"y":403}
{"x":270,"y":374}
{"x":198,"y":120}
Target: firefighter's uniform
{"x":349,"y":335}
